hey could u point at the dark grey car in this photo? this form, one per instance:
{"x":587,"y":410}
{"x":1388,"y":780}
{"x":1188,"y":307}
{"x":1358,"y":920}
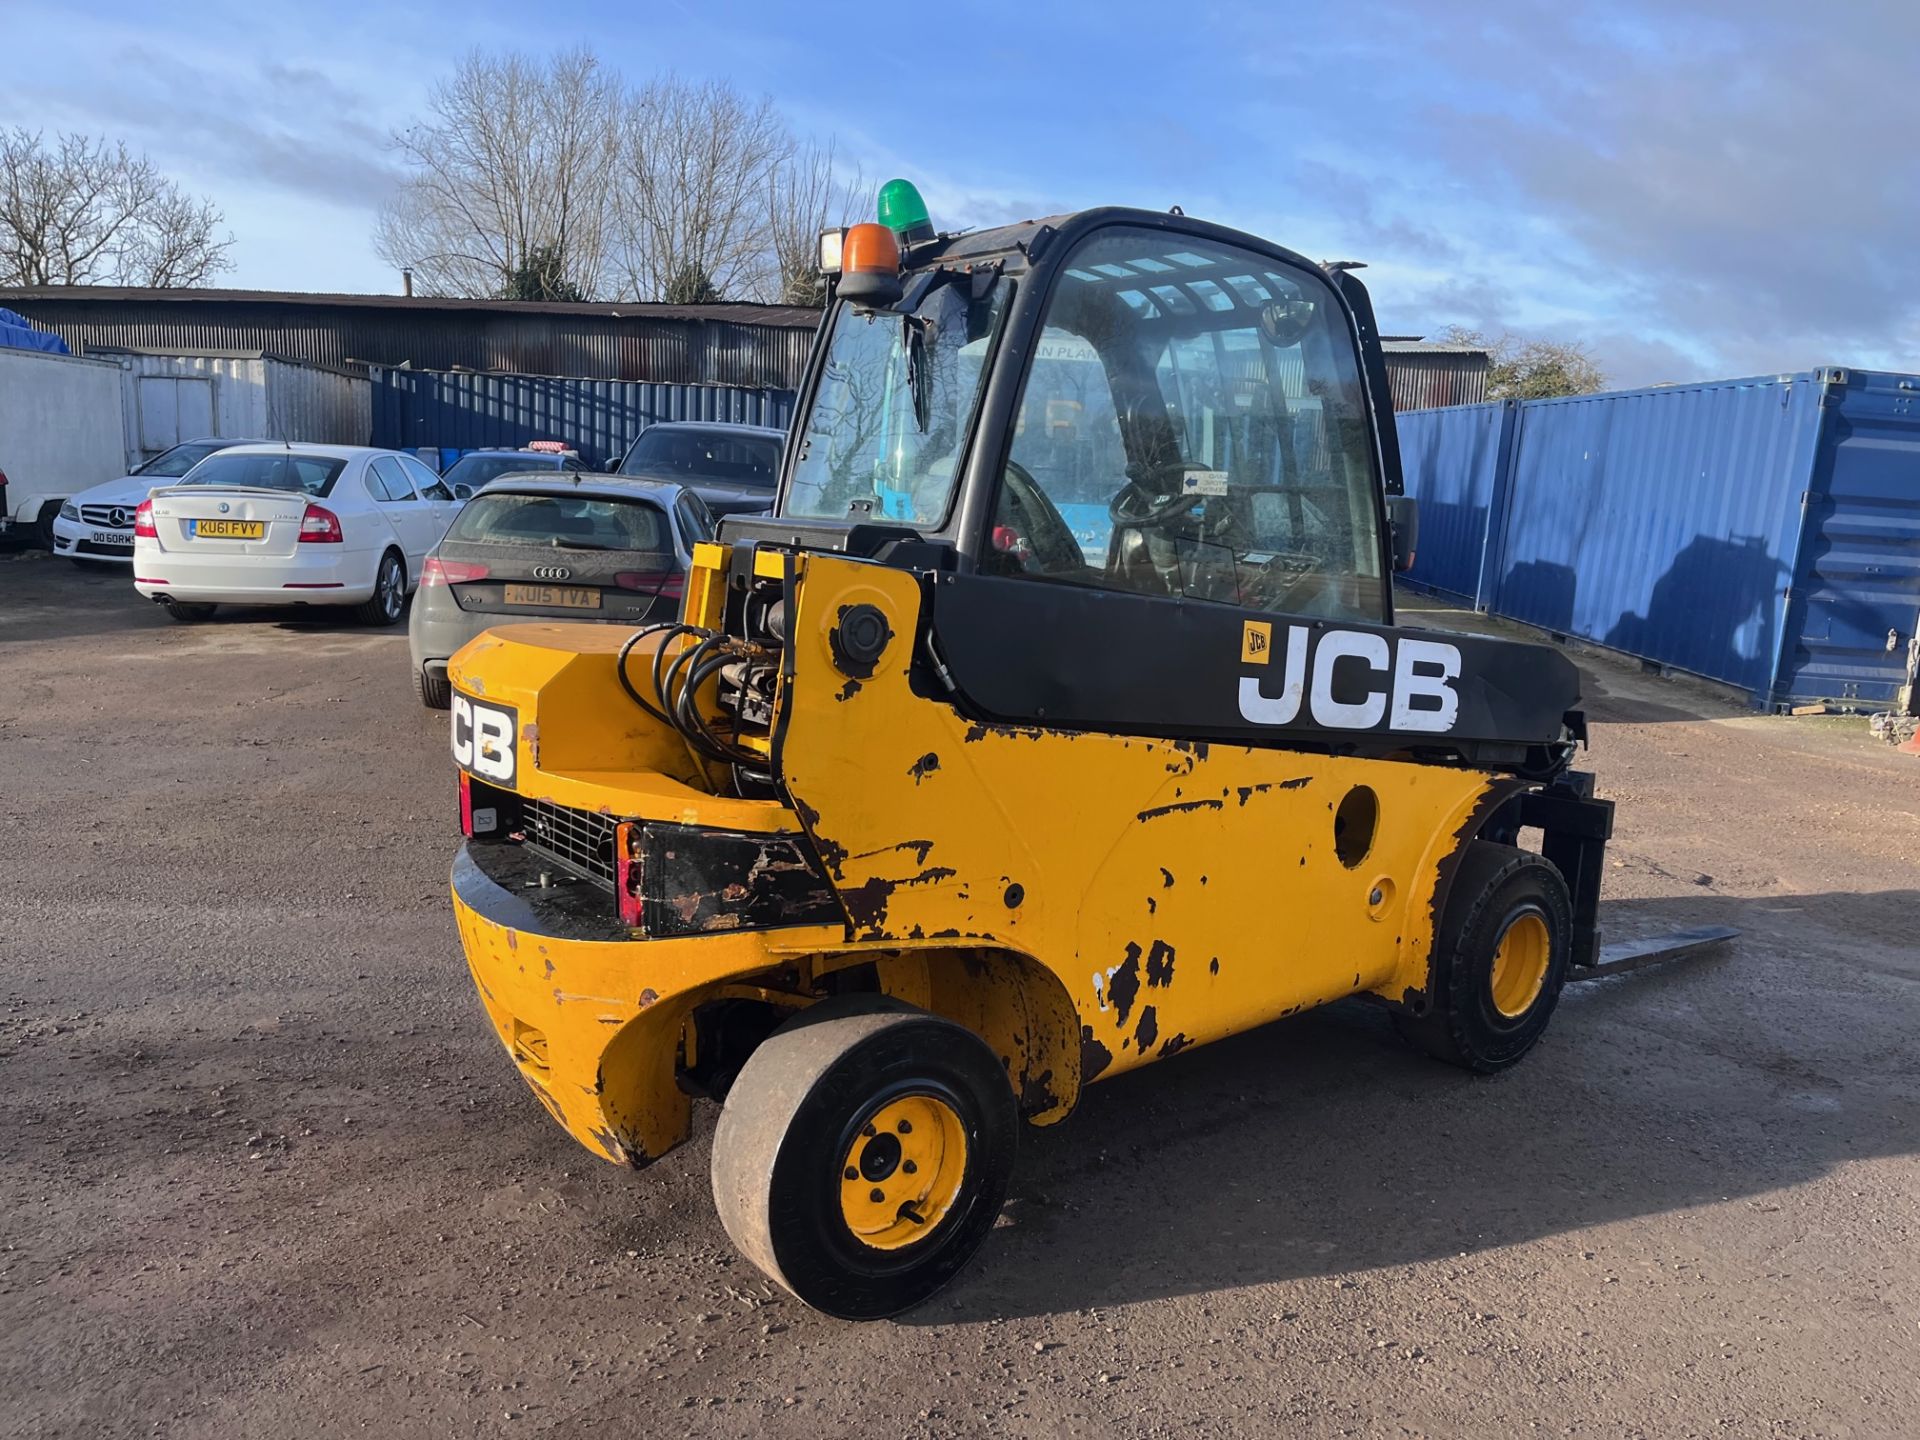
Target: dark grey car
{"x":734,"y":468}
{"x":552,"y":547}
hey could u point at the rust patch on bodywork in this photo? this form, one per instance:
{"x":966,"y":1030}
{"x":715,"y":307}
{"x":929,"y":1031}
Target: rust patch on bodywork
{"x":1124,"y":984}
{"x":1175,"y":1044}
{"x":1157,"y":811}
{"x":1247,"y":792}
{"x":1160,"y":964}
{"x":1149,"y":1030}
{"x":1094,"y":1057}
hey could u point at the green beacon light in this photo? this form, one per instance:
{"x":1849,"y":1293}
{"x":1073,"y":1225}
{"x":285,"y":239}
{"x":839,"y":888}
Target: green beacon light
{"x":904,"y":212}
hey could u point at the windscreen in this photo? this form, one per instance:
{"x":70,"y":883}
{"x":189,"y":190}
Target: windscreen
{"x":172,"y":464}
{"x":269,"y":470}
{"x":890,"y":417}
{"x":477,"y":470}
{"x":689,"y":454}
{"x":565,"y":522}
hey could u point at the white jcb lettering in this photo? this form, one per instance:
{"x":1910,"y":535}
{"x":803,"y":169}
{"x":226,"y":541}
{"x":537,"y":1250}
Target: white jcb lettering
{"x":1441,"y":664}
{"x":1278,"y":709}
{"x":1343,"y":645}
{"x":483,"y":739}
{"x":462,"y":731}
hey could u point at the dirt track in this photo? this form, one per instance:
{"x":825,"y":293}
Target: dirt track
{"x":263,"y":1169}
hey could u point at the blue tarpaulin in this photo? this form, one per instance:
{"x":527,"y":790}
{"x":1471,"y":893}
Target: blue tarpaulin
{"x":17,"y":332}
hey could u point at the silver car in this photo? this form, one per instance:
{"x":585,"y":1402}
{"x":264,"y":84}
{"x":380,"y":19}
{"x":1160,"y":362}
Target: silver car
{"x":547,"y":546}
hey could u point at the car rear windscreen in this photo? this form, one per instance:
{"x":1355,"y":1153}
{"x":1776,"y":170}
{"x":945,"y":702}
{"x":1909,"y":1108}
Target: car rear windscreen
{"x":577,"y":522}
{"x":705,"y":455}
{"x":313,"y":474}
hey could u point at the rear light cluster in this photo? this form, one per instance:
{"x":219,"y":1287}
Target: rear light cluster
{"x":320,"y":526}
{"x":143,"y":522}
{"x":671,"y":584}
{"x":451,"y":572}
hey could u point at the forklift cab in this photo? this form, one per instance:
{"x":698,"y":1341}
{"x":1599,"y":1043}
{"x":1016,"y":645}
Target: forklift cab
{"x":1164,"y":409}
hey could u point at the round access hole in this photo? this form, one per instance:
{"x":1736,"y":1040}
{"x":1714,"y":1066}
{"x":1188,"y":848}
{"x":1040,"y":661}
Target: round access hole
{"x":1353,"y":825}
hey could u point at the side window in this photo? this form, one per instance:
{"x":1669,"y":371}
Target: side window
{"x":386,"y":481}
{"x":1193,"y":425}
{"x":424,"y":480}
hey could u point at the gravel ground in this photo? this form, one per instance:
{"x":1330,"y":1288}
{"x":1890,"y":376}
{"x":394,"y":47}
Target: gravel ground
{"x":264,"y":1170}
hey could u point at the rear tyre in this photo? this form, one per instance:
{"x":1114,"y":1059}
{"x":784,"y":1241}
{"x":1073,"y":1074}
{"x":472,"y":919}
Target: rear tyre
{"x":185,"y":614}
{"x":435,"y":690}
{"x":389,"y":592}
{"x":863,"y":1154}
{"x":1499,"y":960}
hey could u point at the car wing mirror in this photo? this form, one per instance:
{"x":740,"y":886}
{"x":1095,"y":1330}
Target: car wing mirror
{"x":463,"y":492}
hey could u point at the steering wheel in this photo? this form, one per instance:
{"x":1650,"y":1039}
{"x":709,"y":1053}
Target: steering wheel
{"x":1140,"y":504}
{"x":1038,"y":521}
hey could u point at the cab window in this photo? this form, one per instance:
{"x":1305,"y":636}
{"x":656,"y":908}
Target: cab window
{"x":1193,"y":425}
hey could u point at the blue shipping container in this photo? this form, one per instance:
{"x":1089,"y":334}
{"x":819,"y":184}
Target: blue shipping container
{"x":1761,"y":532}
{"x":457,"y":410}
{"x":1460,"y":454}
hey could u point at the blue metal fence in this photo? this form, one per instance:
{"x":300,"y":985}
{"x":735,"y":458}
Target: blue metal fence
{"x":1763,"y":532}
{"x":455,"y":410}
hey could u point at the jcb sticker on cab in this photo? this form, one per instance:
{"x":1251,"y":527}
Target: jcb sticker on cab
{"x":484,"y":736}
{"x":1397,"y":683}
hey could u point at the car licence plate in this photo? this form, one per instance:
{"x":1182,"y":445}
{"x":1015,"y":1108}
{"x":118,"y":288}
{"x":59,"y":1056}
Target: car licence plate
{"x":121,"y":538}
{"x":228,"y":529}
{"x":566,"y":597}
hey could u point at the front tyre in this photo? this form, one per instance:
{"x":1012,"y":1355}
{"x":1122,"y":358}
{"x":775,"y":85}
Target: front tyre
{"x":863,"y":1155}
{"x":389,"y":592}
{"x":1499,"y":960}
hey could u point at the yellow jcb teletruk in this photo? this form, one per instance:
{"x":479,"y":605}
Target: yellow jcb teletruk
{"x":1053,"y":721}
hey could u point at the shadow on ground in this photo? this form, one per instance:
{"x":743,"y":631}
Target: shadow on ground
{"x":1322,"y":1146}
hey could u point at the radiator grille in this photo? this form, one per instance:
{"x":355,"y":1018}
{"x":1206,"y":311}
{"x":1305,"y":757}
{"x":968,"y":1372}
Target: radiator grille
{"x":104,"y":516}
{"x":579,"y":839}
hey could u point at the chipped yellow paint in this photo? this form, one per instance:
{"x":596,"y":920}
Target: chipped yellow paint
{"x":1085,"y":902}
{"x":1177,"y":892}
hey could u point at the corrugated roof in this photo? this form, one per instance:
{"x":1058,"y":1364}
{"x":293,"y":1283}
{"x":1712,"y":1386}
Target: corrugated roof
{"x":798,"y":317}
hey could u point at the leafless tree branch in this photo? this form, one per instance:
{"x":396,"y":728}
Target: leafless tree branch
{"x":84,"y":212}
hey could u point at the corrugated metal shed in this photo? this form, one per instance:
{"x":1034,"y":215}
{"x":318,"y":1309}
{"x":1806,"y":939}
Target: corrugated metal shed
{"x":422,"y":409}
{"x":168,"y":398}
{"x":1763,"y":532}
{"x":726,"y":344}
{"x":1423,"y":374}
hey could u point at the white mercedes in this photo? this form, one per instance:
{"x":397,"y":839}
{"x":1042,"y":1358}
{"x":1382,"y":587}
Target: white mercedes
{"x":291,"y":525}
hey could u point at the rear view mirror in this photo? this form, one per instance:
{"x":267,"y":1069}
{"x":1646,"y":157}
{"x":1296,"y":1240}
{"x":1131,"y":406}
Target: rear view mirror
{"x":1403,"y":524}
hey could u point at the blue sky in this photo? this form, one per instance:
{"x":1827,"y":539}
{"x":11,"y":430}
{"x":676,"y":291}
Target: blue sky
{"x":1691,"y":188}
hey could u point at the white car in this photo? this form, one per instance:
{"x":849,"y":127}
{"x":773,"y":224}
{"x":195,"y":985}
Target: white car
{"x":291,"y":525}
{"x":97,"y":525}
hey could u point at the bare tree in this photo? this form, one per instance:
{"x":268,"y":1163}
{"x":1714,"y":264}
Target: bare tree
{"x":1532,"y":369}
{"x":806,"y":193}
{"x":85,"y":212}
{"x":513,"y":168}
{"x":695,"y":164}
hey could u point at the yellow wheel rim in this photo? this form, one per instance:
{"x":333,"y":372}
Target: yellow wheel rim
{"x":1520,"y":965}
{"x":902,"y":1174}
